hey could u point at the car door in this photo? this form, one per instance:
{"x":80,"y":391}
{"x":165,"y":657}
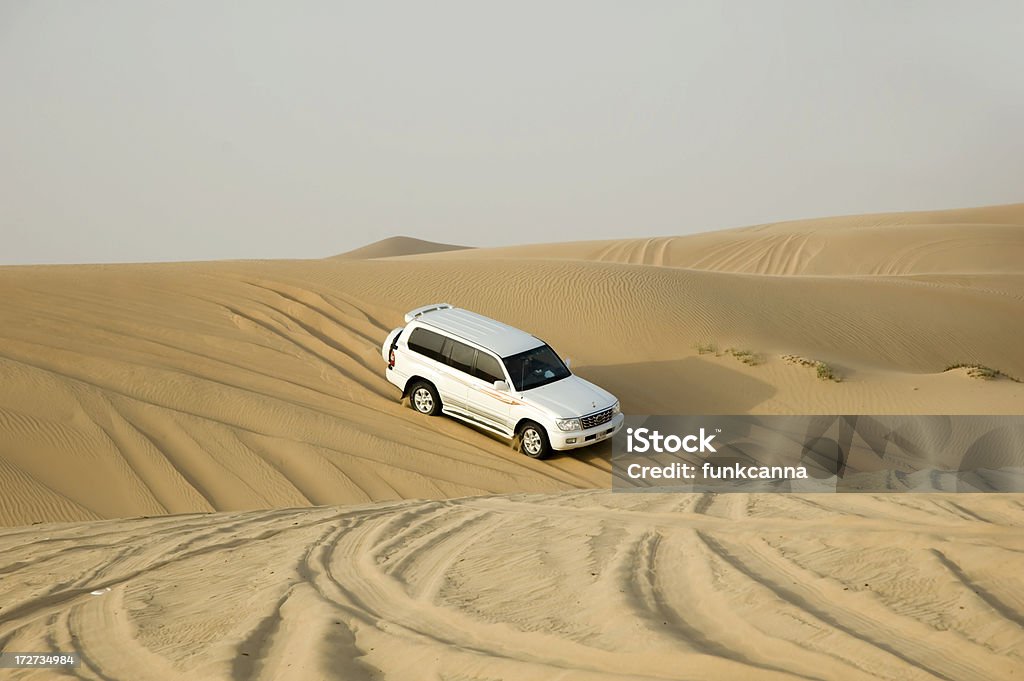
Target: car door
{"x":453,"y":375}
{"x":489,"y":405}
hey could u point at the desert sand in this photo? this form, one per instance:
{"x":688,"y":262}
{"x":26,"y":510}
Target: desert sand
{"x":576,"y":585}
{"x":241,"y":393}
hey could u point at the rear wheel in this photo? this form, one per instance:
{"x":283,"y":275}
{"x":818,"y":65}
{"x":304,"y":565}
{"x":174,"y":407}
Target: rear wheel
{"x":533,"y":440}
{"x":424,"y":399}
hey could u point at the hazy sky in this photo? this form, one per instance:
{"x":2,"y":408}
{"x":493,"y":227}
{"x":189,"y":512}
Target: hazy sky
{"x":134,"y":131}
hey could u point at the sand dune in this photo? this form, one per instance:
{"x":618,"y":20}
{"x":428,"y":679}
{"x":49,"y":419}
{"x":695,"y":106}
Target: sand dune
{"x":147,"y":389}
{"x":255,"y":389}
{"x":397,"y":246}
{"x":969,"y":241}
{"x":584,"y":585}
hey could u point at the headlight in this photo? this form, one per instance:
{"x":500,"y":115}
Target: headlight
{"x":568,"y":424}
{"x":615,"y":408}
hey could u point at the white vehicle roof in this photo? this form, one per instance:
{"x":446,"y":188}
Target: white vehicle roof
{"x":502,"y":339}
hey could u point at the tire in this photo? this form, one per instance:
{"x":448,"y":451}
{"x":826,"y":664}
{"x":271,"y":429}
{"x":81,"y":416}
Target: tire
{"x":423,"y":398}
{"x":533,"y":441}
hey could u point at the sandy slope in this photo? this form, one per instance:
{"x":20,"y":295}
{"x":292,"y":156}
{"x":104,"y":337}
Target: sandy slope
{"x":586,"y":585}
{"x":147,"y":389}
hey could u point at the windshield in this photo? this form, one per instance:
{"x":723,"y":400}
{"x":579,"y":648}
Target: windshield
{"x":534,"y":368}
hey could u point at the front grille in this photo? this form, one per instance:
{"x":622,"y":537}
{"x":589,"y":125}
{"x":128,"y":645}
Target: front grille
{"x":596,"y":419}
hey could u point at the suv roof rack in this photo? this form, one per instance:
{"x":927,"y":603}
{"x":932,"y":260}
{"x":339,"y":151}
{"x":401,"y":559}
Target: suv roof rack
{"x":420,"y":311}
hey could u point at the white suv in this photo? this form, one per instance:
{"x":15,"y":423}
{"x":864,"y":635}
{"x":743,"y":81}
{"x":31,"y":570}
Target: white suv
{"x":496,"y":377}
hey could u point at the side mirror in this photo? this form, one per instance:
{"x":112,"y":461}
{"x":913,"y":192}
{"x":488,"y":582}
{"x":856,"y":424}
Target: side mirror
{"x":501,"y":386}
{"x":568,"y":362}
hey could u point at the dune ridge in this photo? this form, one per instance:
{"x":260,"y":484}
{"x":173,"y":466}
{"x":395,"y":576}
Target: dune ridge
{"x":964,"y":241}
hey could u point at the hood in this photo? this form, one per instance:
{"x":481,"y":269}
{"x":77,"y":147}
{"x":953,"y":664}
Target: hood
{"x":570,"y":397}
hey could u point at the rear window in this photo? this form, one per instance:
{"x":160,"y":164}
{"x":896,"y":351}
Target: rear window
{"x":487,"y":368}
{"x":426,"y":343}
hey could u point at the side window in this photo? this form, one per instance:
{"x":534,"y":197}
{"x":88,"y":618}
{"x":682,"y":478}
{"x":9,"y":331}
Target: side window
{"x":426,"y":343}
{"x":487,"y":368}
{"x":461,"y":357}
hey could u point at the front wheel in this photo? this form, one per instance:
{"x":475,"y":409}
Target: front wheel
{"x":533,"y":440}
{"x":424,"y":399}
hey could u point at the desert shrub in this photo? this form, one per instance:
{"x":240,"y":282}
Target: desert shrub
{"x":748,"y":357}
{"x":824,"y":372}
{"x":980,"y":371}
{"x":705,"y":348}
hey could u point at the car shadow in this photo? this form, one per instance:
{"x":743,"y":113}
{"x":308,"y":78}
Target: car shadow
{"x":683,"y":386}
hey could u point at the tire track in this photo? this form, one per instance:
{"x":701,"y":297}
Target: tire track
{"x":792,"y":584}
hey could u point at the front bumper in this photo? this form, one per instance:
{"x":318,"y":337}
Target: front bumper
{"x":561,"y":440}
